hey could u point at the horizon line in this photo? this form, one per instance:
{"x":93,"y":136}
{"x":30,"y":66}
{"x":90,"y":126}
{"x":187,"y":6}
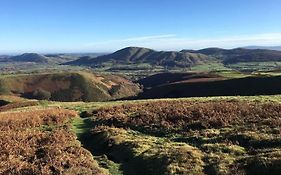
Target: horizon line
{"x":112,"y":51}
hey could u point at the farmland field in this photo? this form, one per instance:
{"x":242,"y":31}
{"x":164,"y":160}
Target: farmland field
{"x":255,"y":66}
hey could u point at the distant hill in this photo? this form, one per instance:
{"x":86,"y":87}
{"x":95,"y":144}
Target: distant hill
{"x":264,"y":47}
{"x":137,"y":55}
{"x":30,"y":57}
{"x":4,"y":58}
{"x":240,"y":54}
{"x":38,"y":58}
{"x":75,"y":86}
{"x":60,"y":58}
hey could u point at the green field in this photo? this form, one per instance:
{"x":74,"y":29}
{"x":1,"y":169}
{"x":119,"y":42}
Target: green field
{"x":255,"y":66}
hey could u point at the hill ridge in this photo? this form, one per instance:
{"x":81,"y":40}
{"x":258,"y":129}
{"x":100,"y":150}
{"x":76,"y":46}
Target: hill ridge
{"x":130,"y":55}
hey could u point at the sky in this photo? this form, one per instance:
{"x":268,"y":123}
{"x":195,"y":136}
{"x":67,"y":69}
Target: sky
{"x":51,"y":26}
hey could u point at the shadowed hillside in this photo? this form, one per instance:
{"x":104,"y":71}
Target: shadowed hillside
{"x":201,"y":87}
{"x":168,"y":78}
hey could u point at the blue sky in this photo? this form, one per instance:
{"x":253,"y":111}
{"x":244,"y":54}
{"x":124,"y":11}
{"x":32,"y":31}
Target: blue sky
{"x":107,"y":25}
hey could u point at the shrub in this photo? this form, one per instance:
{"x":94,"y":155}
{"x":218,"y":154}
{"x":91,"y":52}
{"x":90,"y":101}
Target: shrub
{"x":3,"y":88}
{"x":28,"y":148}
{"x":41,"y":94}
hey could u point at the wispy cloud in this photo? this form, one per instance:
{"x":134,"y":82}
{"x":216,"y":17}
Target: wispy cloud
{"x":174,"y":42}
{"x":134,"y":39}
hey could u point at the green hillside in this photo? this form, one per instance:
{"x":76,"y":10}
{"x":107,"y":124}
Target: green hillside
{"x":75,"y":86}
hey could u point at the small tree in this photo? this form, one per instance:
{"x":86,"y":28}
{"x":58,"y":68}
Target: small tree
{"x":41,"y":94}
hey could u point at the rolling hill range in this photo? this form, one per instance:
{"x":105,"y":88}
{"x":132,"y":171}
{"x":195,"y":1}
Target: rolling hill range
{"x":174,"y":85}
{"x":240,"y":54}
{"x":75,"y":86}
{"x":137,"y":55}
{"x":137,"y":58}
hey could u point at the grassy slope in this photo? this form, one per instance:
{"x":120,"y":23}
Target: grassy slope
{"x":88,"y":106}
{"x":209,"y":148}
{"x":140,"y":141}
{"x":82,"y":128}
{"x":145,"y":151}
